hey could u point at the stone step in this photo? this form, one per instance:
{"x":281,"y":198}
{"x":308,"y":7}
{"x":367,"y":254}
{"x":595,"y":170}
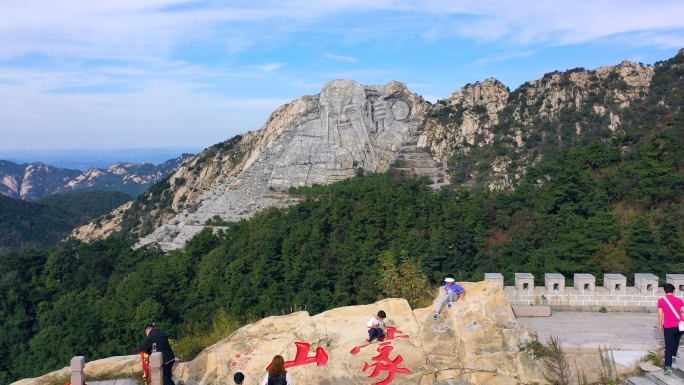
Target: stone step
{"x":639,"y":381}
{"x":418,"y":155}
{"x":428,"y":170}
{"x":408,"y":149}
{"x":425,"y":163}
{"x":678,"y":372}
{"x":412,"y":141}
{"x":661,"y":379}
{"x":422,"y":171}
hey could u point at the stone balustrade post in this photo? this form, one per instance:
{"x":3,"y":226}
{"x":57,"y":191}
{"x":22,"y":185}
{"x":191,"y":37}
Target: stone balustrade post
{"x":77,"y":370}
{"x":496,"y":277}
{"x":524,"y":281}
{"x":615,"y":282}
{"x":156,"y":374}
{"x":678,"y":281}
{"x":646,"y":283}
{"x":554,"y":282}
{"x":586,"y":295}
{"x":584,"y":282}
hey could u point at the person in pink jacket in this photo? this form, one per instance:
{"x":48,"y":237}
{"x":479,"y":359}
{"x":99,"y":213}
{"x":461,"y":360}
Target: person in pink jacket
{"x":670,"y":310}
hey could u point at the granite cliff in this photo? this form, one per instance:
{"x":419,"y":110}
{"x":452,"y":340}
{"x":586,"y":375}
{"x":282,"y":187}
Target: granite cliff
{"x":483,"y":135}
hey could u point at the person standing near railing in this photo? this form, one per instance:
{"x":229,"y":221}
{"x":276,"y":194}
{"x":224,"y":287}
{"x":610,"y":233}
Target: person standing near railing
{"x":670,"y":313}
{"x":158,"y":341}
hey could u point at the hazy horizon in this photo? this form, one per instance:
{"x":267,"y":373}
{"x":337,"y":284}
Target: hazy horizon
{"x":83,"y":159}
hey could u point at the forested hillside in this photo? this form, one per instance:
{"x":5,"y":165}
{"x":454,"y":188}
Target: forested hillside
{"x":604,"y":206}
{"x":44,"y":222}
{"x":544,"y":118}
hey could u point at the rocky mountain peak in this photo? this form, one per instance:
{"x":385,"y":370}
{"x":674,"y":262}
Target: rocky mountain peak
{"x":488,"y":91}
{"x":484,"y":134}
{"x":316,"y":139}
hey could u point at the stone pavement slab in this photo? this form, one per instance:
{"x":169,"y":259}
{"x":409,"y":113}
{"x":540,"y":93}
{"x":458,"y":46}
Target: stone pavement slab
{"x":593,"y":329}
{"x":629,"y":335}
{"x":639,"y":381}
{"x":121,"y":381}
{"x":661,"y":379}
{"x":531,"y":311}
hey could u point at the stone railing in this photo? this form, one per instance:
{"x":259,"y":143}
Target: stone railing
{"x":584,"y":295}
{"x":78,"y":376}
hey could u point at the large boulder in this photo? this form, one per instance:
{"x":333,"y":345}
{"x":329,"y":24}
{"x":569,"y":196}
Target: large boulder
{"x":478,"y":341}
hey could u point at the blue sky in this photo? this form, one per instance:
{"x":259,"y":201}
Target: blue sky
{"x":188,"y":74}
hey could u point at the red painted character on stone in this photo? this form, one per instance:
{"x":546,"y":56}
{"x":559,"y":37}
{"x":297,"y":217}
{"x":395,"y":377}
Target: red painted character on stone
{"x":302,"y":356}
{"x":392,"y":333}
{"x":243,"y":358}
{"x":383,"y":362}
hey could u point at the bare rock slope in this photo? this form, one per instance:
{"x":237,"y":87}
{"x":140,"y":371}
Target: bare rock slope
{"x":312,"y":140}
{"x":482,"y":135}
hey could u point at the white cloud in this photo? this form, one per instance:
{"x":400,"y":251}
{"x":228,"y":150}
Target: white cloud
{"x":53,"y":52}
{"x":267,"y":67}
{"x":347,"y":59}
{"x":503,"y":57}
{"x":145,"y":29}
{"x":562,"y":22}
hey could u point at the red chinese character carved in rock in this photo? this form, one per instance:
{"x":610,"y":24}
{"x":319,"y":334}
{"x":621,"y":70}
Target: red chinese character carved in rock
{"x":302,"y":357}
{"x":392,"y":333}
{"x":385,"y":364}
{"x":242,"y":361}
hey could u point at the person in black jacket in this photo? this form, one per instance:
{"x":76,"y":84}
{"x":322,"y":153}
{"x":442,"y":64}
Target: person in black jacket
{"x":276,"y":373}
{"x":158,"y":337}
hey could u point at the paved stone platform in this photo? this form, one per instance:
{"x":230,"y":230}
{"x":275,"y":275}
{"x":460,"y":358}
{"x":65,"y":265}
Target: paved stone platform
{"x":629,"y":335}
{"x":124,"y":381}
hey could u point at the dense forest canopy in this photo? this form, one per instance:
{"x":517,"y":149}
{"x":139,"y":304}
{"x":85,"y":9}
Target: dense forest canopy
{"x":46,"y":221}
{"x":602,"y":207}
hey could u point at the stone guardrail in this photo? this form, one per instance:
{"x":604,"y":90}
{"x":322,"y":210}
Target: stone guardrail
{"x":78,"y":376}
{"x":584,"y":295}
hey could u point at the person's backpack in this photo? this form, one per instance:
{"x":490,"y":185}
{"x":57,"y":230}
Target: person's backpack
{"x":280,"y":380}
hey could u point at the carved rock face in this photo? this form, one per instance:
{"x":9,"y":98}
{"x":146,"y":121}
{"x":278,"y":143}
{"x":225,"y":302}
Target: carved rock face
{"x":356,"y":127}
{"x":317,"y":139}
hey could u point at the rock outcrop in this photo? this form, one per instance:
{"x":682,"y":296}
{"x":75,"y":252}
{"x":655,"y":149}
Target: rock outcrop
{"x":482,"y":135}
{"x":314,"y":140}
{"x":478,"y":341}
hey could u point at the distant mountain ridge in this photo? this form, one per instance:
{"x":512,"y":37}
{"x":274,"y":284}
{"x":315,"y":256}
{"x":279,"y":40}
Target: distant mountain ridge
{"x":37,"y":180}
{"x":84,"y":159}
